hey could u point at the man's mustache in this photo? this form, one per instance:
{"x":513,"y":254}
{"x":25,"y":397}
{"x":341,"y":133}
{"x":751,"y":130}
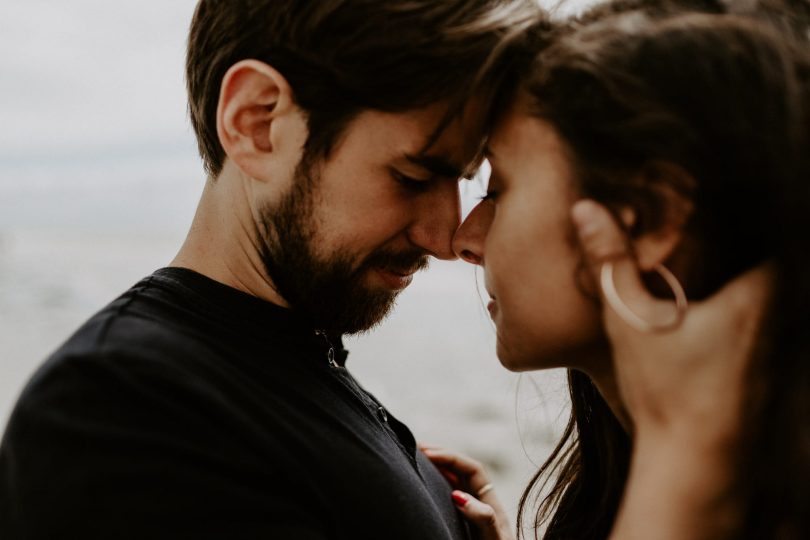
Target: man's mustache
{"x":402,"y":262}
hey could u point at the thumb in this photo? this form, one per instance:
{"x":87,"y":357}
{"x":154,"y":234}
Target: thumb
{"x":599,"y":234}
{"x":603,"y":241}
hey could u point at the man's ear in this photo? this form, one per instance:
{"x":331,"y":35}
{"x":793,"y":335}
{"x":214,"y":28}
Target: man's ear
{"x":258,"y":124}
{"x":659,"y":235}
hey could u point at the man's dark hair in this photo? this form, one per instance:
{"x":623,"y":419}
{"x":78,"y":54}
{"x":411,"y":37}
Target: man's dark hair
{"x":344,"y":56}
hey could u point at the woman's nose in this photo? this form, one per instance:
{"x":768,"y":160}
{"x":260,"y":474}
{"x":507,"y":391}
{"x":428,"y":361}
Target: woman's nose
{"x":468,"y":242}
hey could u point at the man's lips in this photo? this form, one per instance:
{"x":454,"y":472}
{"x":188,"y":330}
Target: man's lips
{"x":403,"y":272}
{"x":395,"y":279}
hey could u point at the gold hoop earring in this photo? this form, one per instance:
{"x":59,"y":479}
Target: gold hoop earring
{"x":626,"y":314}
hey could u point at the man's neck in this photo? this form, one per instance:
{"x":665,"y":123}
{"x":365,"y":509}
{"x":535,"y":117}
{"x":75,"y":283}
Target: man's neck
{"x":222,"y":243}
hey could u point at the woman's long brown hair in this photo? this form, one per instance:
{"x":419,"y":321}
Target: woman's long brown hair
{"x":722,"y":91}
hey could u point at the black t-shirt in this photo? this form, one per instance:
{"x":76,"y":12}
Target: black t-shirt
{"x":187,"y":409}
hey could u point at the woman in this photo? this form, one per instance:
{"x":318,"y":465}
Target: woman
{"x":688,"y":133}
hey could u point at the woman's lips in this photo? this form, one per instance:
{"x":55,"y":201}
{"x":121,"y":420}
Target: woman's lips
{"x":492,"y":307}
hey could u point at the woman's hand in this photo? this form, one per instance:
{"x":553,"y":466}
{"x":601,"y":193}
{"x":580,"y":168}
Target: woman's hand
{"x":683,"y":388}
{"x":689,"y":378}
{"x":473,"y":495}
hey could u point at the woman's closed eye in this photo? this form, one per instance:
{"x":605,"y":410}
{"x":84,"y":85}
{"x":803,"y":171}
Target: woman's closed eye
{"x":494,"y":188}
{"x":490,"y":195}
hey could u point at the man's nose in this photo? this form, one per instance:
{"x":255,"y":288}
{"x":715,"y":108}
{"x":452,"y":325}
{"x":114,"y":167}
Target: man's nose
{"x":438,"y":218}
{"x":468,"y":242}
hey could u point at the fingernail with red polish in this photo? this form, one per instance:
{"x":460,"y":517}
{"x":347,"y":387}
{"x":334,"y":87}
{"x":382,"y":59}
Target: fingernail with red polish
{"x":460,"y":499}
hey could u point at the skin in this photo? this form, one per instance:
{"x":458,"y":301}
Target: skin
{"x":522,"y":236}
{"x":685,"y":406}
{"x":263,"y":133}
{"x":377,"y":190}
{"x":683,"y":409}
{"x":543,"y":301}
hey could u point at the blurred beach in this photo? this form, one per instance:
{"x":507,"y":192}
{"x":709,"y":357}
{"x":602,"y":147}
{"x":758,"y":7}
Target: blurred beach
{"x":99,"y":179}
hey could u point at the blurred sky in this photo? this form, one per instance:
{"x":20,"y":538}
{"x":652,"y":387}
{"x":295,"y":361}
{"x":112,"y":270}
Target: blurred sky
{"x":83,"y":77}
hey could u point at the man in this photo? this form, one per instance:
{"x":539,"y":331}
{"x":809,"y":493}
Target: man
{"x":211,"y":400}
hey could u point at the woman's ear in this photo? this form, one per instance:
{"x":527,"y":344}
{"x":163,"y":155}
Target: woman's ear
{"x":671,"y":188}
{"x":258,"y":123}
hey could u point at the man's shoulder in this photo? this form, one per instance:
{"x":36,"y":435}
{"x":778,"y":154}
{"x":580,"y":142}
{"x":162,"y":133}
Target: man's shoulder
{"x":116,"y":369}
{"x":145,"y":362}
{"x":128,"y":383}
{"x":116,"y":340}
{"x":124,"y":424}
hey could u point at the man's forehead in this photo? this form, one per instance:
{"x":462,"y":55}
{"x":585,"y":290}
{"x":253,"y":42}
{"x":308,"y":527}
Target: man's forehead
{"x":463,"y":138}
{"x":453,"y":150}
{"x":420,"y":138}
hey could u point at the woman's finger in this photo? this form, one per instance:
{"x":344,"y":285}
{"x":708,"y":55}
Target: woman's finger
{"x":460,"y":471}
{"x":450,"y":476}
{"x":603,"y":241}
{"x":483,"y":516}
{"x":457,"y":462}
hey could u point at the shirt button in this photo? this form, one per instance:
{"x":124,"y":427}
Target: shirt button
{"x":382,"y":414}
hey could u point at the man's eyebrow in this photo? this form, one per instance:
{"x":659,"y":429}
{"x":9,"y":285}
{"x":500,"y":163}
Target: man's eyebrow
{"x":437,"y":165}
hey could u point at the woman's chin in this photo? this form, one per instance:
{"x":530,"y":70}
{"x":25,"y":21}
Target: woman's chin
{"x":520,"y":361}
{"x":584,"y":356}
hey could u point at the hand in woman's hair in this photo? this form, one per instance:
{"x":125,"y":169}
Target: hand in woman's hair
{"x":683,"y":378}
{"x":683,"y":388}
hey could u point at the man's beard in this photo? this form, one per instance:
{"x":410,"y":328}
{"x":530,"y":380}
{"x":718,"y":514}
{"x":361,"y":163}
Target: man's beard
{"x":329,"y":293}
